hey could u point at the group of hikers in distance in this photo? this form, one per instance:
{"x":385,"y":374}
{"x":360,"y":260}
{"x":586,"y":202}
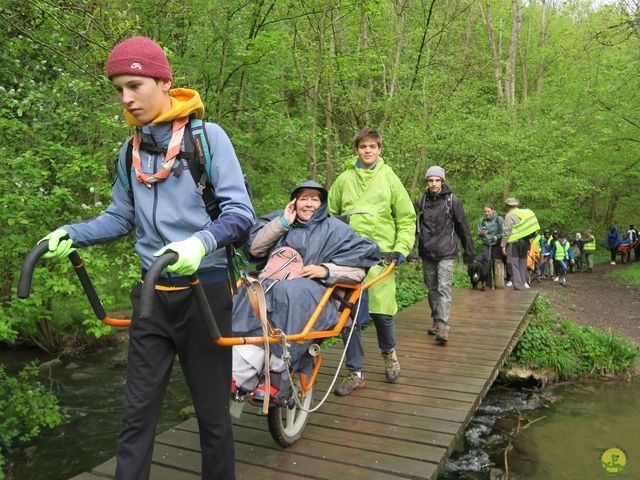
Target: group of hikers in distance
{"x":339,"y":232}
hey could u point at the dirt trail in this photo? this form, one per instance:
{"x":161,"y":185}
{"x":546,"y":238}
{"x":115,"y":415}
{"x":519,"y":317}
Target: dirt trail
{"x":596,"y":300}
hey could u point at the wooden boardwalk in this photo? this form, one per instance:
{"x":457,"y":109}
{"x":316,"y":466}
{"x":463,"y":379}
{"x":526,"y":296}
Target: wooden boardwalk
{"x":405,"y":429}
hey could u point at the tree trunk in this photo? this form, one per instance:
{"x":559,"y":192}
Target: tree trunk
{"x":364,"y":35}
{"x":510,"y":72}
{"x":221,"y":73}
{"x":497,"y":71}
{"x":542,"y":42}
{"x":393,"y":85}
{"x":523,"y":62}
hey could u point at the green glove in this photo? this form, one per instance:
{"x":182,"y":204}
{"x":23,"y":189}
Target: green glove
{"x":190,"y":253}
{"x":58,"y":248}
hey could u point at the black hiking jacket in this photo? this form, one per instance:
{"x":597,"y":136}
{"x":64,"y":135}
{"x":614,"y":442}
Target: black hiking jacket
{"x":440,"y":221}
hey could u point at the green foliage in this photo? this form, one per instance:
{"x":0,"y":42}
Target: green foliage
{"x":26,"y":407}
{"x":570,"y":349}
{"x":630,"y":274}
{"x":291,"y":82}
{"x":410,"y":287}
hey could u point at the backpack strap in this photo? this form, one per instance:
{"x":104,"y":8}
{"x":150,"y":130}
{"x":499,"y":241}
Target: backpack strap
{"x":199,"y":160}
{"x":124,"y":174}
{"x":448,"y":205}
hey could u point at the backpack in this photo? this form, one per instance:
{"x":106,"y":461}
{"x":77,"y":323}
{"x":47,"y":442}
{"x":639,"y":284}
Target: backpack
{"x":198,"y":156}
{"x":284,"y":263}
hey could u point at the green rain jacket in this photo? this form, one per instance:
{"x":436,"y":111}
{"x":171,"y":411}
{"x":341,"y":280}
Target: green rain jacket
{"x":379,"y":208}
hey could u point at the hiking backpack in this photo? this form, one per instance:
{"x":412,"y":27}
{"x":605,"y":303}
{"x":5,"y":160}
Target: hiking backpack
{"x":198,"y":156}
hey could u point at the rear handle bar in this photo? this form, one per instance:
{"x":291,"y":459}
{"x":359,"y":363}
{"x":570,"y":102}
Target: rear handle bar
{"x":148,"y":288}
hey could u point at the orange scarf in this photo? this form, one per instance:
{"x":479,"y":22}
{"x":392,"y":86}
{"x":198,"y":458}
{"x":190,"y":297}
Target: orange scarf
{"x":184,"y":103}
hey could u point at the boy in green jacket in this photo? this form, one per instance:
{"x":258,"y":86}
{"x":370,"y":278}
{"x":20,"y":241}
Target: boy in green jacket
{"x":378,"y":207}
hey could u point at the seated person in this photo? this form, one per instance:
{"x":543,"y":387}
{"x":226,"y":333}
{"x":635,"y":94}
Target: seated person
{"x":329,"y":248}
{"x":624,"y":241}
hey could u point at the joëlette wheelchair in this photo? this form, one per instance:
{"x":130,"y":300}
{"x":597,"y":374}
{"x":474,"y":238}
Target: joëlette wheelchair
{"x":286,"y":422}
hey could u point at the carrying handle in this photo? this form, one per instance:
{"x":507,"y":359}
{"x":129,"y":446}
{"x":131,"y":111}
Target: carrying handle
{"x":149,"y":286}
{"x":26,"y":278}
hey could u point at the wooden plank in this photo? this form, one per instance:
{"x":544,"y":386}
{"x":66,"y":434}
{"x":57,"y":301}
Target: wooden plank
{"x":304,"y":457}
{"x":89,"y":476}
{"x":405,"y":429}
{"x":158,"y":472}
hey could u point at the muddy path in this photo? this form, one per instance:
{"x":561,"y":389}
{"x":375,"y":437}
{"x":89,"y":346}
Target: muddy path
{"x":597,"y":300}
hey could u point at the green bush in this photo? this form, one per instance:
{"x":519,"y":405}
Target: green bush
{"x":629,"y":274}
{"x":26,"y":407}
{"x":570,"y":349}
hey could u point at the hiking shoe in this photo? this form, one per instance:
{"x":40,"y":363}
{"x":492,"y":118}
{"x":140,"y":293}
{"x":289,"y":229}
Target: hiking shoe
{"x":509,"y":284}
{"x":350,"y":383}
{"x":391,"y":365}
{"x":442,"y":337}
{"x":433,"y":329}
{"x":555,"y":279}
{"x":526,"y":285}
{"x":613,"y":263}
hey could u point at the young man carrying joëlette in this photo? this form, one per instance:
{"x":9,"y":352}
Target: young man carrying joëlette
{"x":160,"y":201}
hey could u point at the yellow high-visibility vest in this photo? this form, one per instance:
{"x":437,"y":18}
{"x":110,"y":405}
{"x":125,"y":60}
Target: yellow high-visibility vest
{"x":562,"y":251}
{"x":527,"y":225}
{"x":591,"y":246}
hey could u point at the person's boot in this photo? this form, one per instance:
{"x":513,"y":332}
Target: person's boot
{"x":391,"y":365}
{"x":442,"y":337}
{"x":350,"y":383}
{"x":433,"y":329}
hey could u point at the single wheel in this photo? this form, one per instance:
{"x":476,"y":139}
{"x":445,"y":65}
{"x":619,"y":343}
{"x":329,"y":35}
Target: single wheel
{"x":625,"y":257}
{"x":498,"y":279}
{"x":286,"y":424}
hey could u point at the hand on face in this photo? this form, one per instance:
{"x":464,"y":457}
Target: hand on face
{"x":314,"y":271}
{"x":290,"y":211}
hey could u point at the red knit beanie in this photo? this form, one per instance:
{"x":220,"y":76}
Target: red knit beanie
{"x":139,"y":56}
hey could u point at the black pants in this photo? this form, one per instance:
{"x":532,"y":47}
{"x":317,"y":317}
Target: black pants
{"x":176,"y":328}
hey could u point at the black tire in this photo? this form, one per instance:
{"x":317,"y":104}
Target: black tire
{"x":286,"y":424}
{"x":625,"y":257}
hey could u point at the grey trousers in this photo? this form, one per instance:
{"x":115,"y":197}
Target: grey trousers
{"x":589,"y":259}
{"x":517,"y":258}
{"x":438,"y":276}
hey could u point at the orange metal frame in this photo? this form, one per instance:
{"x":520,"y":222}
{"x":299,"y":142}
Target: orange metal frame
{"x":306,"y":333}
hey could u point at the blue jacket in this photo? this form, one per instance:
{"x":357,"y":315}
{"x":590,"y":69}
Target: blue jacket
{"x":171,"y":210}
{"x":612,"y":240}
{"x":544,"y":245}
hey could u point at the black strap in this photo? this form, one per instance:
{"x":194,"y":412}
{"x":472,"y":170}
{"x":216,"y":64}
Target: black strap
{"x":197,"y":161}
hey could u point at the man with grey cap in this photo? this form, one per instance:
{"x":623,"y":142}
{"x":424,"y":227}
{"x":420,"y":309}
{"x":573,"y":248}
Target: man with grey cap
{"x":520,"y":224}
{"x":440,"y":221}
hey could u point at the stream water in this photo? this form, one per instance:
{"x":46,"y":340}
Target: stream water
{"x":562,"y":431}
{"x":91,"y":392}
